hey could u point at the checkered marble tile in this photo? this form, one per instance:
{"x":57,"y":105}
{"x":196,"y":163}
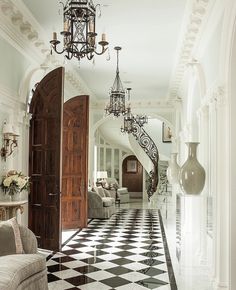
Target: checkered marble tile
{"x":125,"y":252}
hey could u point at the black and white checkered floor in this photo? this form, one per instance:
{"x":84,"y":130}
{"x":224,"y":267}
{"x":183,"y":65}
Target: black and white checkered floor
{"x":125,"y":252}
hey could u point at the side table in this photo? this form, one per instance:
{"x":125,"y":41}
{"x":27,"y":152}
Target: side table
{"x":8,"y":209}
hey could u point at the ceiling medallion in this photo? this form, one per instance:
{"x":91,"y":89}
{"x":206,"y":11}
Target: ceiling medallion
{"x":116,"y":105}
{"x":79,"y":36}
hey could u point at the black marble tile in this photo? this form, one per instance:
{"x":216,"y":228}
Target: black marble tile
{"x":98,"y":252}
{"x":130,"y":225}
{"x":151,"y":262}
{"x":119,"y":270}
{"x":92,"y":260}
{"x":63,"y":259}
{"x":56,"y":268}
{"x":79,"y":280}
{"x":52,"y":278}
{"x":121,"y":261}
{"x":78,"y":245}
{"x":123,"y":253}
{"x":70,"y":252}
{"x":151,"y":283}
{"x":126,"y":247}
{"x":151,"y":271}
{"x":86,"y":269}
{"x":115,"y":282}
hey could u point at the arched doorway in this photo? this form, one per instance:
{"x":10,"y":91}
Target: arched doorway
{"x":132,"y":176}
{"x":58,"y":173}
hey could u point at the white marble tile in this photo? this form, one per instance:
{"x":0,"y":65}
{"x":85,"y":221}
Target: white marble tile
{"x":87,"y":249}
{"x":95,"y":286}
{"x":81,"y":256}
{"x":112,"y":250}
{"x":135,"y":266}
{"x":51,"y":263}
{"x":137,"y":250}
{"x":66,"y":274}
{"x":74,"y":264}
{"x":163,"y":277}
{"x":131,"y":286}
{"x":105,"y":265}
{"x":59,"y":285}
{"x":92,"y":243}
{"x":100,"y":275}
{"x":134,"y":276}
{"x":109,"y":257}
{"x":161,"y":267}
{"x":166,"y":287}
{"x":115,"y":244}
{"x":136,"y":258}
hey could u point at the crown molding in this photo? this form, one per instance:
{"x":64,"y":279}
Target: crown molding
{"x":19,"y":28}
{"x":9,"y":97}
{"x":20,"y":31}
{"x":192,"y":29}
{"x":168,"y":105}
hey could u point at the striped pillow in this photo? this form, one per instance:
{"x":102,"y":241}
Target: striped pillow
{"x":10,"y":239}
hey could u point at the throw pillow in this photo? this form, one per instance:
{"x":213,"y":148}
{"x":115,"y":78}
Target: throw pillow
{"x":10,"y":239}
{"x":101,"y":191}
{"x":107,"y":193}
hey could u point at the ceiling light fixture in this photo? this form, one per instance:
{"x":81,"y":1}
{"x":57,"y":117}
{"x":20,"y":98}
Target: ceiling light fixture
{"x":116,"y":105}
{"x":79,"y":36}
{"x":130,"y":119}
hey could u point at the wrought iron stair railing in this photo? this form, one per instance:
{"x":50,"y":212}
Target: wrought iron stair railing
{"x":150,"y":148}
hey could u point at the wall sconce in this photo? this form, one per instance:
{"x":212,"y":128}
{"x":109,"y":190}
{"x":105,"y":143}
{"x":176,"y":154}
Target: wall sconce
{"x":9,"y":140}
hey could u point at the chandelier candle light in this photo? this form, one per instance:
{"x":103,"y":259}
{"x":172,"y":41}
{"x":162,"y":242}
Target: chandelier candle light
{"x":79,"y":36}
{"x":116,"y":106}
{"x":130,"y":119}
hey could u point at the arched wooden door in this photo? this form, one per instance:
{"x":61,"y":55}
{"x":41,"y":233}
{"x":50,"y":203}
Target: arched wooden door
{"x":75,"y":162}
{"x":132,"y":174}
{"x":45,"y":160}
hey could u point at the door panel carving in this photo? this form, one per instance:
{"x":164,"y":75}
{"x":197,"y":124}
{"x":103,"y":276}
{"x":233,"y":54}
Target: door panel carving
{"x":45,"y":160}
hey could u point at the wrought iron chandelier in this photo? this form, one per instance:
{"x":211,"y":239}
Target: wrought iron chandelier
{"x":130,"y":119}
{"x":116,"y":105}
{"x":79,"y":36}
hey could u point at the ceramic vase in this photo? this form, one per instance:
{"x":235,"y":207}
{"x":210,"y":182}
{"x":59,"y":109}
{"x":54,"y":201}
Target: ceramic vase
{"x":192,"y":174}
{"x":173,"y":169}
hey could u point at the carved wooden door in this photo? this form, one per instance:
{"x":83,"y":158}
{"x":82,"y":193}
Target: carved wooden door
{"x":75,"y":163}
{"x":45,"y":160}
{"x":132,"y":174}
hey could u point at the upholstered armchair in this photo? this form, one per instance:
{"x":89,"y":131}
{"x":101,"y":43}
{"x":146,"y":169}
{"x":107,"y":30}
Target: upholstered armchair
{"x":122,"y":192}
{"x":100,"y":204}
{"x":26,"y":271}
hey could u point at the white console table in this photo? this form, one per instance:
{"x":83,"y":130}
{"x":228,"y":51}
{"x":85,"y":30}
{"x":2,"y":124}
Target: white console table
{"x":9,"y":209}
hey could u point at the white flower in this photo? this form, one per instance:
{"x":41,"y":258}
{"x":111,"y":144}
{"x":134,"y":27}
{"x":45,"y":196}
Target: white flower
{"x":14,"y":182}
{"x":7,"y":181}
{"x":21,"y":182}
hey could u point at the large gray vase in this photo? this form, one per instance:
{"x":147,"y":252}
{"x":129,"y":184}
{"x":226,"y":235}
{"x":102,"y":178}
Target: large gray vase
{"x":192,"y":174}
{"x":173,"y":169}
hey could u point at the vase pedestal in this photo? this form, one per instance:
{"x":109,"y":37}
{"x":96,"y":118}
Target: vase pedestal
{"x":9,"y":209}
{"x":15,"y":197}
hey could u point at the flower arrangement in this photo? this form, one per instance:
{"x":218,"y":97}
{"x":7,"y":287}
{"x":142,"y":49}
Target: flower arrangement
{"x":14,"y":182}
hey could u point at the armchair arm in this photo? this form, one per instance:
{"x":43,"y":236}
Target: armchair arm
{"x":28,"y":239}
{"x":94,"y":200}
